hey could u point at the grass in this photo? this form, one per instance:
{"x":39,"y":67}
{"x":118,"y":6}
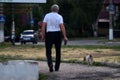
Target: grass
{"x":69,"y":53}
{"x":42,"y":77}
{"x":89,"y":47}
{"x":5,"y":58}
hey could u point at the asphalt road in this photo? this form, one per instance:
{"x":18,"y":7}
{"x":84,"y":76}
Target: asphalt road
{"x":80,"y":42}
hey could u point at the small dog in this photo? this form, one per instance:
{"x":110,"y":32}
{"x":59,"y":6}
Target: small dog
{"x":89,"y":59}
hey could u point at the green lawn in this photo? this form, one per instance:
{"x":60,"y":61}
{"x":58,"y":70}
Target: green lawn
{"x":69,"y":53}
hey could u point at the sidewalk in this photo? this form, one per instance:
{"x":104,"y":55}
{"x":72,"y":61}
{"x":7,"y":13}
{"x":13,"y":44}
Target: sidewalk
{"x":82,"y":42}
{"x":71,"y":71}
{"x":87,"y":42}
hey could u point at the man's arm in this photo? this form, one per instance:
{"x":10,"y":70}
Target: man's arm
{"x":43,"y":31}
{"x":62,"y":27}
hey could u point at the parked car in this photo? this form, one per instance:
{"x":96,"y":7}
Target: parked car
{"x":7,"y":38}
{"x":28,"y":36}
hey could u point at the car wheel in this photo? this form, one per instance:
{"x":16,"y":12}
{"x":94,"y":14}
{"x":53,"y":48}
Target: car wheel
{"x":34,"y":42}
{"x":24,"y":42}
{"x":21,"y":42}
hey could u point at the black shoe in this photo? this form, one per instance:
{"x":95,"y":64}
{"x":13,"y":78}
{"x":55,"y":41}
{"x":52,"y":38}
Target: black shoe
{"x":51,"y":69}
{"x":56,"y":69}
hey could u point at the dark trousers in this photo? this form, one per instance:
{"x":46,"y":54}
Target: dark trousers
{"x":56,"y":39}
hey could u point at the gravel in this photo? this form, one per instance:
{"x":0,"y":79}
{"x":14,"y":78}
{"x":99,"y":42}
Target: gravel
{"x":73,"y":71}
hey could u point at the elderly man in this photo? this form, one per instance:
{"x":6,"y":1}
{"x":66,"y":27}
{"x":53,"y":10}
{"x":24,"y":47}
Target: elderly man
{"x":52,"y":28}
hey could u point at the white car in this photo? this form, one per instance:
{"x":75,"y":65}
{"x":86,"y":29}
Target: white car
{"x":28,"y":36}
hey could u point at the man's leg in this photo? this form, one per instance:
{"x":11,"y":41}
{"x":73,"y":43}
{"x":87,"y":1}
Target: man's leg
{"x":58,"y":59}
{"x":58,"y":53}
{"x":48,"y":45}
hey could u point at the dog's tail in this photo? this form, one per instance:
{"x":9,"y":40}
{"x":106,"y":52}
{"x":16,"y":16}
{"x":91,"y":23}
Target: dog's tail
{"x":84,"y":59}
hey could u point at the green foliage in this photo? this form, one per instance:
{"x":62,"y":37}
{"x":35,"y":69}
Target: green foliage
{"x":15,"y":12}
{"x":98,"y":64}
{"x":78,"y":15}
{"x":5,"y":58}
{"x":117,"y":23}
{"x":42,"y":76}
{"x":91,"y":47}
{"x":4,"y":45}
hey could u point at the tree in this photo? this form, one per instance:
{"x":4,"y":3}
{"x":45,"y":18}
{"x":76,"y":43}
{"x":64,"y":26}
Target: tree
{"x":79,"y":15}
{"x":15,"y":11}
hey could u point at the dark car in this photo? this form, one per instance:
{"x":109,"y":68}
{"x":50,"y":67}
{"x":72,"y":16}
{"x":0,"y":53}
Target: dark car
{"x":8,"y":39}
{"x":28,"y":36}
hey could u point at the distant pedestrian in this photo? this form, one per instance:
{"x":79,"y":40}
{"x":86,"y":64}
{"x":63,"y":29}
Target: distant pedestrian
{"x":51,"y":32}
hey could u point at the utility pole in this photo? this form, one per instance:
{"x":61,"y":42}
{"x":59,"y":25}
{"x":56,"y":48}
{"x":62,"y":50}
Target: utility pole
{"x":111,"y":12}
{"x":31,"y":17}
{"x":13,"y":27}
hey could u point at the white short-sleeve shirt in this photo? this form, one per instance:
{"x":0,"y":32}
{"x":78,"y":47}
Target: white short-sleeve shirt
{"x":53,"y":21}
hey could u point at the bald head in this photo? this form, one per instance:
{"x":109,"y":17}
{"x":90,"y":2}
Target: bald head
{"x":55,"y":8}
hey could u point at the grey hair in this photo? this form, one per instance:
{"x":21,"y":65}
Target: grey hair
{"x":55,"y":7}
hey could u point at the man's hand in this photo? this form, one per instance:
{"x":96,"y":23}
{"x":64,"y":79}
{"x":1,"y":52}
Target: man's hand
{"x":65,"y":40}
{"x":42,"y":38}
